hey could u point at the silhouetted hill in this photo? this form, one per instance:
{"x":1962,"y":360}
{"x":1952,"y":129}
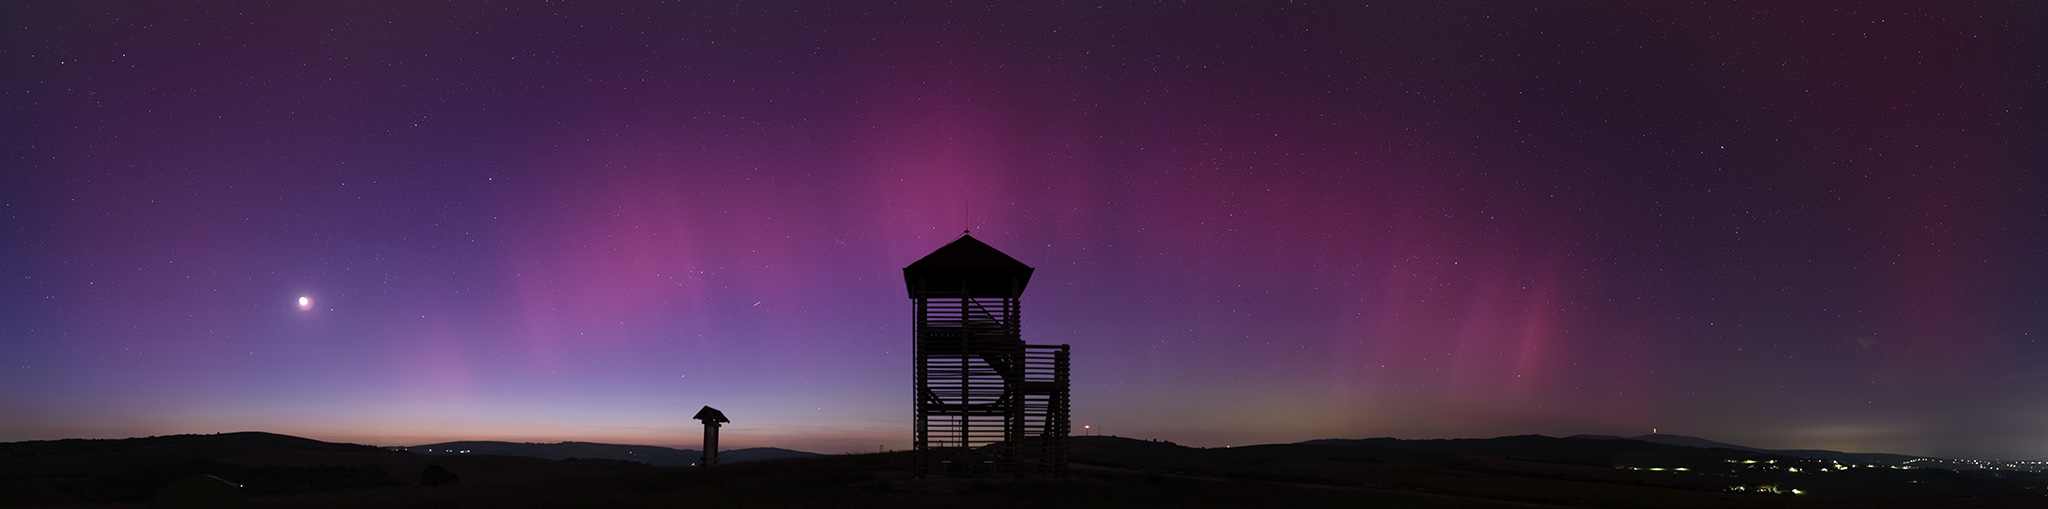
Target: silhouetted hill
{"x":1678,"y":440}
{"x":57,"y":472}
{"x":132,"y":470}
{"x":1862,"y":458}
{"x":1105,"y":444}
{"x":215,"y":445}
{"x":649,"y":454}
{"x":760,"y":454}
{"x":1520,"y":445}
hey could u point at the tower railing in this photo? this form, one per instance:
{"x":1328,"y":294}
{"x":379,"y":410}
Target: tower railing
{"x":986,"y":401}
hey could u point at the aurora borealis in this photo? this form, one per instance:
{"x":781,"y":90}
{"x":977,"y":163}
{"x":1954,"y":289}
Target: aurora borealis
{"x":1786,"y":226}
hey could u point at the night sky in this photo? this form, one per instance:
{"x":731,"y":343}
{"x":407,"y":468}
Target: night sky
{"x":1812,"y":225}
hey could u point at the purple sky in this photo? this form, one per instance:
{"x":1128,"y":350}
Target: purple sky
{"x":1815,"y":226}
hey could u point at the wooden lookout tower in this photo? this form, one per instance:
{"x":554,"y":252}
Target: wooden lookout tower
{"x":986,"y":402}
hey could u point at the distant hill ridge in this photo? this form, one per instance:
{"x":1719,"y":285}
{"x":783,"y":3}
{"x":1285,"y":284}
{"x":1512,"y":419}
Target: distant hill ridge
{"x":649,"y":454}
{"x":217,"y":444}
{"x":1686,"y":441}
{"x":1543,"y":445}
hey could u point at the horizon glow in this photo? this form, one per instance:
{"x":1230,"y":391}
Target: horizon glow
{"x":1802,"y":227}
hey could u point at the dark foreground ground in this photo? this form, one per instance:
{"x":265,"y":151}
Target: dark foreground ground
{"x":1109,"y":472}
{"x":880,"y":480}
{"x":856,"y":481}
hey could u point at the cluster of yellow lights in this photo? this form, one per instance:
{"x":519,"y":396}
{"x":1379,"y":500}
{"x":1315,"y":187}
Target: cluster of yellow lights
{"x":2025,"y":466}
{"x":1767,"y":488}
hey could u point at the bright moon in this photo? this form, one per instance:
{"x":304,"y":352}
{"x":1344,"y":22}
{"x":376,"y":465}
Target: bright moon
{"x":305,"y":303}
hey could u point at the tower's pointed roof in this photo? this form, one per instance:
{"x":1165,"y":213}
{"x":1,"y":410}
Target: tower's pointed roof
{"x":711,"y":416}
{"x":984,"y":269}
{"x":967,"y":252}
